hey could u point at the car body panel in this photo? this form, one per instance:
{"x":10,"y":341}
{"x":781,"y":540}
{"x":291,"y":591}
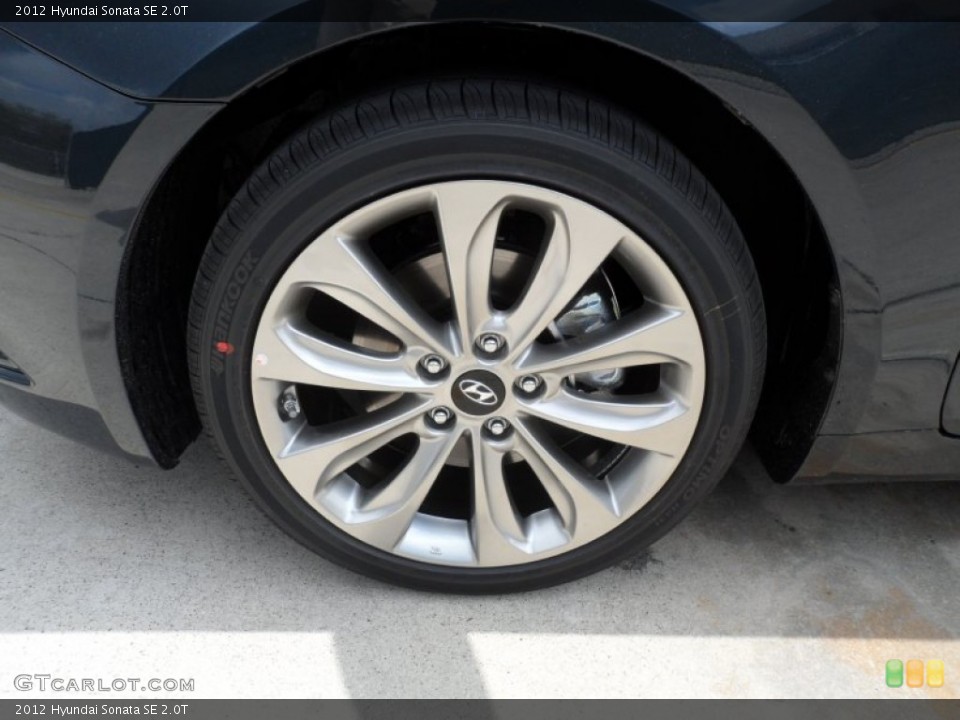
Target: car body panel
{"x":871,"y":133}
{"x":77,"y":161}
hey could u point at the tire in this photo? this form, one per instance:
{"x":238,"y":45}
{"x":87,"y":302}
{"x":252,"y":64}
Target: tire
{"x":278,"y":274}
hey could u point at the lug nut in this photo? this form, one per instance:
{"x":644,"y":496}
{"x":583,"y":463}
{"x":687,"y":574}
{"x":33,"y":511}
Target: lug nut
{"x":497,"y":426}
{"x":490,"y":343}
{"x":433,"y":364}
{"x":290,"y":404}
{"x":529,"y":383}
{"x":440,"y":416}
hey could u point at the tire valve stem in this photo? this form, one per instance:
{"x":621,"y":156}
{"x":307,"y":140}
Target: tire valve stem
{"x":289,"y":404}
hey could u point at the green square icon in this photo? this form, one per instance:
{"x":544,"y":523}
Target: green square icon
{"x":894,"y":673}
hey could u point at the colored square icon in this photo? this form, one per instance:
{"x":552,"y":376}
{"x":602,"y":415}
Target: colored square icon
{"x":914,"y":673}
{"x":935,"y":673}
{"x":894,"y":673}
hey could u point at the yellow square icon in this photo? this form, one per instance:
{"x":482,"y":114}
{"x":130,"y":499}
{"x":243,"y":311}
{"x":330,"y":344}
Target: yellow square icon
{"x":935,"y":673}
{"x":914,"y":673}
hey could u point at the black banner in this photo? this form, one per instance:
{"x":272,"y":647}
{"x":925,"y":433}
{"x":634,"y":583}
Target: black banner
{"x":381,"y":11}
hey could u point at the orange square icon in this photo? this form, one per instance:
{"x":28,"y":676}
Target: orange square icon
{"x":935,"y":673}
{"x":914,"y":673}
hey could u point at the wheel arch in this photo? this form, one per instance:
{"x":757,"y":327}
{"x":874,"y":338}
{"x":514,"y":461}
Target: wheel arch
{"x":798,"y":272}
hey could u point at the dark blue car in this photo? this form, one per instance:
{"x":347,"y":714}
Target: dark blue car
{"x":484,"y":296}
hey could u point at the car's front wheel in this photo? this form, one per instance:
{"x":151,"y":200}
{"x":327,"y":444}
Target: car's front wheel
{"x":477,"y":335}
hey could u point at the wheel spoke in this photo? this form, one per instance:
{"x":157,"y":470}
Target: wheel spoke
{"x":496,"y":528}
{"x":579,"y":243}
{"x":468,"y":217}
{"x":383,"y":518}
{"x":662,"y":423}
{"x":343,"y":269}
{"x":586,"y":505}
{"x":653,"y":334}
{"x":291,"y":354}
{"x":315,"y":455}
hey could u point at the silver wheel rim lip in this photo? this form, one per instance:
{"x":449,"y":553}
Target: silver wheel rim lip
{"x":584,"y":511}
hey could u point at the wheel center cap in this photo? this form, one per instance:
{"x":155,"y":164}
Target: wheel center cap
{"x":478,"y":392}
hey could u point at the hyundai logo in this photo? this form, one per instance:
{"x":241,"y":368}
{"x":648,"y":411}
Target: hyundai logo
{"x":478,"y":392}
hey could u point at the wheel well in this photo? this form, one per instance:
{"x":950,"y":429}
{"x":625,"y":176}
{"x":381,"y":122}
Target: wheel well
{"x":788,"y":245}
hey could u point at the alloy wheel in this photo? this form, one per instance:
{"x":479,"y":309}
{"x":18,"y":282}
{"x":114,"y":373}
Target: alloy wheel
{"x":477,"y":373}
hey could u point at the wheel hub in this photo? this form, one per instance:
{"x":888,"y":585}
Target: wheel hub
{"x":478,"y":392}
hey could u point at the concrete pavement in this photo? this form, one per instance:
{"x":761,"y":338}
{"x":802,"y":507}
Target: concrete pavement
{"x":112,"y":570}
